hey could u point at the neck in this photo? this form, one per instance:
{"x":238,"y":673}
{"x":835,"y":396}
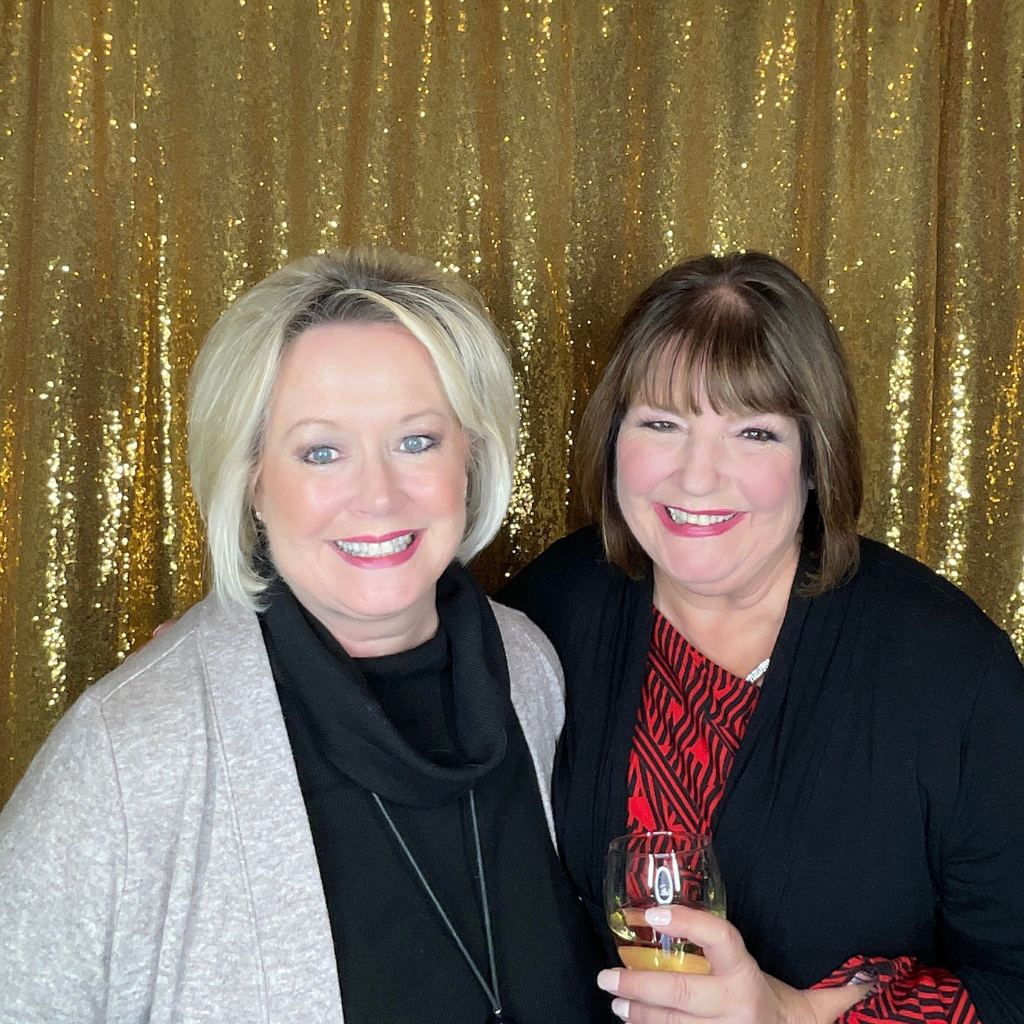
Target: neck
{"x":735,"y":630}
{"x":377,"y":638}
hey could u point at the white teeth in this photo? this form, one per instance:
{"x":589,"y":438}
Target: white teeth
{"x":366,"y":550}
{"x":679,"y":516}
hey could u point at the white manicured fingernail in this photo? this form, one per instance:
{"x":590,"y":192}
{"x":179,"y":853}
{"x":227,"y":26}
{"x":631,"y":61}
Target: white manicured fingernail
{"x":608,"y":980}
{"x":658,"y":915}
{"x":620,"y":1007}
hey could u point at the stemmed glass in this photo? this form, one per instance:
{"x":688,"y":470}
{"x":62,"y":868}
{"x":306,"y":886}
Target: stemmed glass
{"x":656,"y":869}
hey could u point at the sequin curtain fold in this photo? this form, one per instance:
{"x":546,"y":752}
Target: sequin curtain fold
{"x":158,"y":158}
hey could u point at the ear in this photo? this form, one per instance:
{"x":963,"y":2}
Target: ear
{"x":256,"y":497}
{"x":472,"y":442}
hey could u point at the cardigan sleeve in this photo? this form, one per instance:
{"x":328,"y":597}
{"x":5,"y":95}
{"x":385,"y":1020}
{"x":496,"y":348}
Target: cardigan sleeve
{"x":982,"y":921}
{"x":538,"y":694}
{"x":62,"y":849}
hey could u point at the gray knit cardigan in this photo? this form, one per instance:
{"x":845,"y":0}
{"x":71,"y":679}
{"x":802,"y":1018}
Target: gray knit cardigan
{"x":156,"y":863}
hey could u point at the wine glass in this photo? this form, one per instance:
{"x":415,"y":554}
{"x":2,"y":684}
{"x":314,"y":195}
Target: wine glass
{"x":655,"y":869}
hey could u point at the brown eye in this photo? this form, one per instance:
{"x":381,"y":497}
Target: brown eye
{"x":760,"y":434}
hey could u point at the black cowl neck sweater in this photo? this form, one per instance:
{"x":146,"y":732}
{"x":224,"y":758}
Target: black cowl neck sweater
{"x":421,"y":729}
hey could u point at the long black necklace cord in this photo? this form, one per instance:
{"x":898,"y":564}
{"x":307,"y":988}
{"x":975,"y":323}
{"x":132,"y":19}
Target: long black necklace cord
{"x":491,"y":991}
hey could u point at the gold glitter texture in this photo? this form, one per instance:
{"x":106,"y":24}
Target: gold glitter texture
{"x":158,"y":159}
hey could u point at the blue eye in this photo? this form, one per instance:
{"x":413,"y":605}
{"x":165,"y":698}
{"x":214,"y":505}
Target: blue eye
{"x":417,"y":443}
{"x":320,"y":455}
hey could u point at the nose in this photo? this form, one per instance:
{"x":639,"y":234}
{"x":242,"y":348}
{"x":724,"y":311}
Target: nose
{"x":699,"y":470}
{"x":376,"y":491}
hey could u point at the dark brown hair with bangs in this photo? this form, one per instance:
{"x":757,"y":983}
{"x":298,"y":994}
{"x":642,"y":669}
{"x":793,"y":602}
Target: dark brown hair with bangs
{"x":743,"y":333}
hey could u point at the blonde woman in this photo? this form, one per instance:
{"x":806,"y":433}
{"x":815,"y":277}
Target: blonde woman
{"x":328,"y":782}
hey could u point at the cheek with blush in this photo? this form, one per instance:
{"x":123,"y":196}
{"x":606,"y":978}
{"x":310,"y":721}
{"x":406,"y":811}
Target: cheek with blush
{"x":779,"y":488}
{"x":640,"y":467}
{"x":438,"y":491}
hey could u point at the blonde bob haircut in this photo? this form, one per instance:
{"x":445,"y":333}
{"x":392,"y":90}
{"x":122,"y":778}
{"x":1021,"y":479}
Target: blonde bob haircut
{"x":232,"y":383}
{"x":743,"y":333}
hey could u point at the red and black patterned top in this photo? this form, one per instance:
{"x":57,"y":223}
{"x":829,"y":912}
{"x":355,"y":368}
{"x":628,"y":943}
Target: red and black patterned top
{"x":692,"y":717}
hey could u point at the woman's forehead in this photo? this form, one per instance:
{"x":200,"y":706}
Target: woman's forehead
{"x":691,"y":395}
{"x":702,"y":406}
{"x":687,"y":378}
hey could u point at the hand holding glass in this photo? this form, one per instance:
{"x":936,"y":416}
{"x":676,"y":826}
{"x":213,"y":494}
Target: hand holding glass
{"x":657,"y":869}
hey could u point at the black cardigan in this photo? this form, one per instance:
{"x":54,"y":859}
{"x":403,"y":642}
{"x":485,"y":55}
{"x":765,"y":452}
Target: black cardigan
{"x":876,"y":803}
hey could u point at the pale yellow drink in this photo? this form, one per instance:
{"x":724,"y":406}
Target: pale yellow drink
{"x":648,"y":958}
{"x":641,"y":948}
{"x":656,"y":871}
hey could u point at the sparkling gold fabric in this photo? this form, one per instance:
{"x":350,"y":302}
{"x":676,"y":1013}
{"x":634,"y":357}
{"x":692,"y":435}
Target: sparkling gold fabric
{"x":158,"y":158}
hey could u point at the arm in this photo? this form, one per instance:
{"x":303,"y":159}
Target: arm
{"x":62,"y":843}
{"x":982,"y":922}
{"x":981,"y":927}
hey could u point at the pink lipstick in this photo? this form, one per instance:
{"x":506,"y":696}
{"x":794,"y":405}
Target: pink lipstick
{"x":383,"y":552}
{"x":690,"y":529}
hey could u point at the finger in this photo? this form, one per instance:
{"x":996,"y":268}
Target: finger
{"x":701,"y":995}
{"x":722,"y":943}
{"x":640,"y":1013}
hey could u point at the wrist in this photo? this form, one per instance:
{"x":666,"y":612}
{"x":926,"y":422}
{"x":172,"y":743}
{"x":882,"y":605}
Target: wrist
{"x":801,"y":1010}
{"x":794,"y":1005}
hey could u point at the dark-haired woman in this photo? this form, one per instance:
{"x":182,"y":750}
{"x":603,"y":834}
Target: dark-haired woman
{"x":842,"y":721}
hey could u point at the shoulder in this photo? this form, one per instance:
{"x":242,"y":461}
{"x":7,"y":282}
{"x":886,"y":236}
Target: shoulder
{"x":568,"y":586}
{"x":527,"y":649}
{"x":910,"y":598}
{"x":140,"y":722}
{"x":577,"y":558}
{"x":134,"y":739}
{"x":155,"y":714}
{"x":537,"y":689}
{"x":170,"y":669}
{"x":921,"y":645}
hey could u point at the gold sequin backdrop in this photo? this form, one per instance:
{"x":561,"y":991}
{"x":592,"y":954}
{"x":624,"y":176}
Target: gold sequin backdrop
{"x":157,"y":158}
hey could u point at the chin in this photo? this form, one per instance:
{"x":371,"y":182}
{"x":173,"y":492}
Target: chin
{"x":383,"y":603}
{"x":697,"y":573}
{"x":701,"y":585}
{"x":383,"y":598}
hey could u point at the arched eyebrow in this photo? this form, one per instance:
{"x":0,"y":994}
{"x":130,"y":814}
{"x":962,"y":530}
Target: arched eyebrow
{"x":317,"y":421}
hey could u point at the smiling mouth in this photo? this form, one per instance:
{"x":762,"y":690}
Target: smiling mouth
{"x":698,"y":519}
{"x":369,"y":549}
